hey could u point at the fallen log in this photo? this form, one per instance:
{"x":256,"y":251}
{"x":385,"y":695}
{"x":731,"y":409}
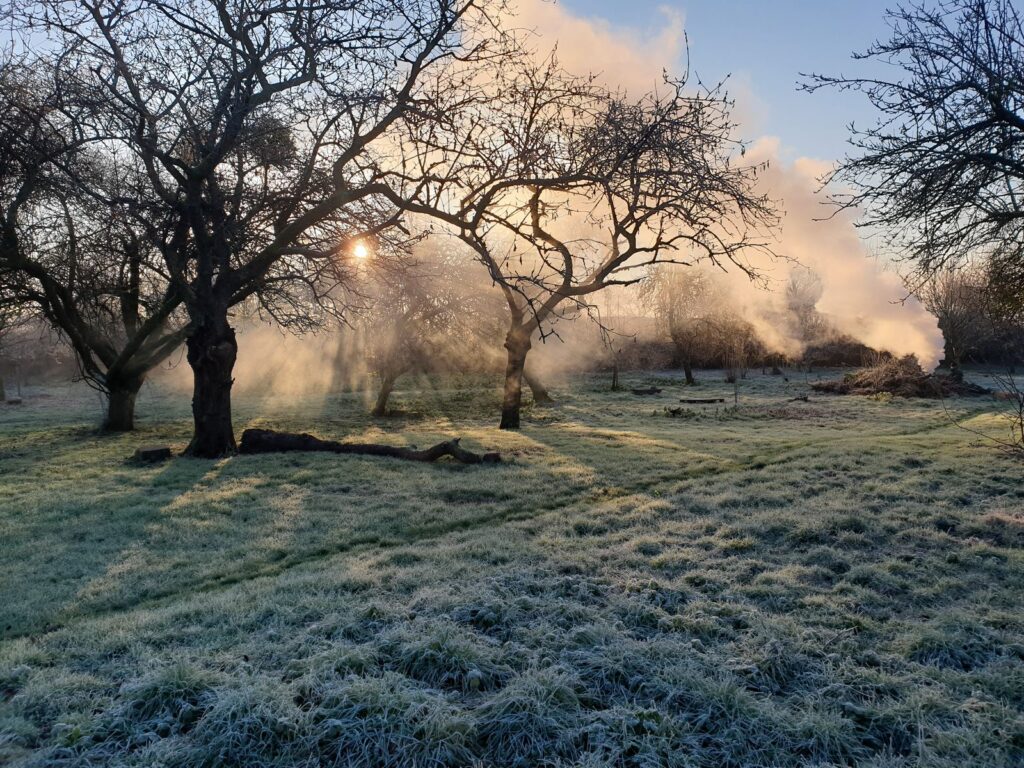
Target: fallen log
{"x":269,"y":441}
{"x":702,"y":400}
{"x":152,"y":454}
{"x":648,"y":391}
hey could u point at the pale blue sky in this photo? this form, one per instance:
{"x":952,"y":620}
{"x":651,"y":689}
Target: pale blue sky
{"x":765,"y":44}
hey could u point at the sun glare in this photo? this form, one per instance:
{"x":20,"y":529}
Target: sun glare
{"x":360,"y":251}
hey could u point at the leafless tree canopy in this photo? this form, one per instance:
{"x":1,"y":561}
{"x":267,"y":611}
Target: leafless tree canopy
{"x":264,"y":138}
{"x":942,"y":169}
{"x":73,"y":252}
{"x":564,"y":189}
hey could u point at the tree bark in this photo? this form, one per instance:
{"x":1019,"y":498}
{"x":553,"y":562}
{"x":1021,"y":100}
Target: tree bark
{"x":121,"y":406}
{"x":387,"y":384}
{"x":212,"y":350}
{"x":540,"y":392}
{"x":512,"y":401}
{"x":688,"y":372}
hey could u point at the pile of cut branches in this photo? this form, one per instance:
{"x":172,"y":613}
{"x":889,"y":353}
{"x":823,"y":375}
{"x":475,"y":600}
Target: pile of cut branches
{"x":901,"y":377}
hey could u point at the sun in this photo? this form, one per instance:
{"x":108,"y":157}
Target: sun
{"x":360,"y":251}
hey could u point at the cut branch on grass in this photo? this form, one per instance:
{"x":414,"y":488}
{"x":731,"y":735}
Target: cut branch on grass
{"x":270,"y":441}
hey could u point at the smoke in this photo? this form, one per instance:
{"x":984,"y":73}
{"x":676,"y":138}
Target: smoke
{"x":631,"y":59}
{"x":273,"y":361}
{"x":860,"y":296}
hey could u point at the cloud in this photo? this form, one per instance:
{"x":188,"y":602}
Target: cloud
{"x":627,"y":58}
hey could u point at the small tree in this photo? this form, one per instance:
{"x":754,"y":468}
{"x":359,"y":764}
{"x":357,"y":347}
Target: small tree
{"x":427,"y":317}
{"x":71,"y":251}
{"x":684,"y":301}
{"x":958,"y":300}
{"x":803,"y":292}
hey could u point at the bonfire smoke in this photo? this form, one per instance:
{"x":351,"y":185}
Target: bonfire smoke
{"x":860,"y":297}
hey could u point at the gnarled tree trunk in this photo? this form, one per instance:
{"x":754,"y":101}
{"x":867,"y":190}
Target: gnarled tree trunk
{"x":541,"y":396}
{"x":688,"y":372}
{"x":121,"y":396}
{"x":387,"y":385}
{"x":517,"y":347}
{"x":212,"y":350}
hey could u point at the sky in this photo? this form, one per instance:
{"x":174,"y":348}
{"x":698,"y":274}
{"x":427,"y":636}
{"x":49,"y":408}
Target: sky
{"x":764,"y":45}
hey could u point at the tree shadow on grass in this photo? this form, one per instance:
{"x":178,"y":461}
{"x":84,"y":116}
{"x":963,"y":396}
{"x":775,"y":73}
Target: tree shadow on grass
{"x":76,"y":528}
{"x":117,"y":537}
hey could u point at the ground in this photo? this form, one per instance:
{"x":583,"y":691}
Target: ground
{"x":832,"y":582}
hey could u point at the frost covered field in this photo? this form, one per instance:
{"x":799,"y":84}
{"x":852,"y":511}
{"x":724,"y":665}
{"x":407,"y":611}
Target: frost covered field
{"x":832,"y":582}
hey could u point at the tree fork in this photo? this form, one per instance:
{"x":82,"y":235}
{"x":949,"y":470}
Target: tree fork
{"x":120,"y":416}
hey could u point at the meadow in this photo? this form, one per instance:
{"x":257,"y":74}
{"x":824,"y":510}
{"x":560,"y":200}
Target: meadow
{"x":774,"y":583}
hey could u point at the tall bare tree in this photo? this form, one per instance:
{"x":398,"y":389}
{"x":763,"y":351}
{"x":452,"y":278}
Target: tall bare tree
{"x":564,"y":189}
{"x":266,"y":132}
{"x":942,"y":168}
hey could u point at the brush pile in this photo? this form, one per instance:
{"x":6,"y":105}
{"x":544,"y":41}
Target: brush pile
{"x":901,"y":377}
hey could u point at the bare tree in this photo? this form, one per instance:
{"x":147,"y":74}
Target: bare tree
{"x":957,"y":298}
{"x":735,"y":343}
{"x":67,"y":252}
{"x":573,"y":190}
{"x":803,"y":292}
{"x":428,"y":317}
{"x":942,"y":169}
{"x":684,"y":301}
{"x":266,"y":133}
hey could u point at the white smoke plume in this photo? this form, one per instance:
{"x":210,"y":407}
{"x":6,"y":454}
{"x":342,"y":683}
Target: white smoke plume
{"x":861,"y":297}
